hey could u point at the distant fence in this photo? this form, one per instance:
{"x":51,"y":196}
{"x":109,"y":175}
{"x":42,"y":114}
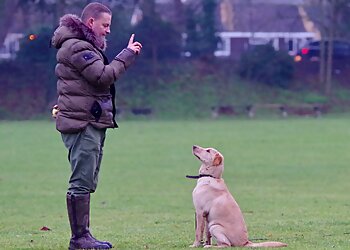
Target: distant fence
{"x":282,"y":110}
{"x":306,"y":110}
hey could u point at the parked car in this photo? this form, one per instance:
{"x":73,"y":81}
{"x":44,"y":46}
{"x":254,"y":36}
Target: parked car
{"x":311,"y":51}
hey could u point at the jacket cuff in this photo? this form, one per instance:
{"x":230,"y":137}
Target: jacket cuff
{"x":126,"y":56}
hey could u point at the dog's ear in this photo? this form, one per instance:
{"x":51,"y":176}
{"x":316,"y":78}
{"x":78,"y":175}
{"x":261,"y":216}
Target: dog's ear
{"x":217,"y":160}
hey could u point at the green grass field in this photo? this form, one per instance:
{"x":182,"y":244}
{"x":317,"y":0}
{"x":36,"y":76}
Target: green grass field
{"x":290,"y":177}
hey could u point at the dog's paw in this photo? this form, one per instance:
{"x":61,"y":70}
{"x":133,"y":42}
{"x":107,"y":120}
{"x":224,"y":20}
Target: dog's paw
{"x":196,"y":244}
{"x":208,"y":246}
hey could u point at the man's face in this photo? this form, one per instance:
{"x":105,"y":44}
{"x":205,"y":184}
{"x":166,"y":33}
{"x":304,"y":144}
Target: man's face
{"x":101,"y":25}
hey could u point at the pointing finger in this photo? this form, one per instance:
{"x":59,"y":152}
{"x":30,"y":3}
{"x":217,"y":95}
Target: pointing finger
{"x":131,"y":40}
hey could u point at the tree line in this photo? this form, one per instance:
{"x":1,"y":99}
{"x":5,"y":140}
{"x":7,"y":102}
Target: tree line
{"x":191,"y":33}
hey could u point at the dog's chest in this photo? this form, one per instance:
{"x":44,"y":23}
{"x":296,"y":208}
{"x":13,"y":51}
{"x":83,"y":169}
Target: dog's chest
{"x":210,"y":184}
{"x":206,"y":190}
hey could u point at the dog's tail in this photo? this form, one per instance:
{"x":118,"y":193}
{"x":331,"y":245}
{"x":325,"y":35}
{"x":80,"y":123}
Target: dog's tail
{"x":266,"y":244}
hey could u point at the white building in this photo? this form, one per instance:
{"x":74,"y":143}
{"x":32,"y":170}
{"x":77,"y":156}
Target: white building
{"x":10,"y":46}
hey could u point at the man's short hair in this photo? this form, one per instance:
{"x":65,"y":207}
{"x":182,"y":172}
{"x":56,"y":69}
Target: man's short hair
{"x":94,"y":10}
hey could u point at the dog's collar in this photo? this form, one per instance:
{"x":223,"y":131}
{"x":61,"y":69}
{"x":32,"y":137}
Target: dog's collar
{"x":199,"y":176}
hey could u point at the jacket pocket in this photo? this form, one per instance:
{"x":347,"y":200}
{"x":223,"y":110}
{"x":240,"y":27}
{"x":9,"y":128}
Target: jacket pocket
{"x":96,"y":111}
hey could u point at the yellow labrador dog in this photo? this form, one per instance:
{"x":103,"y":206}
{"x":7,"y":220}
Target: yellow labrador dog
{"x":217,"y":212}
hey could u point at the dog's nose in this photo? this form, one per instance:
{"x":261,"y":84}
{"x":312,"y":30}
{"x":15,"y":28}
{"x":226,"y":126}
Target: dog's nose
{"x":194,"y":147}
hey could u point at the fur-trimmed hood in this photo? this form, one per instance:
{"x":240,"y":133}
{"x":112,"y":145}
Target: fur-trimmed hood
{"x":71,"y":26}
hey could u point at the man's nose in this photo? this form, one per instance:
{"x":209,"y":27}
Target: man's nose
{"x":108,"y":31}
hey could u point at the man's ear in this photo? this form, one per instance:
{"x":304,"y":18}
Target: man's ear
{"x":90,"y":22}
{"x":217,"y":160}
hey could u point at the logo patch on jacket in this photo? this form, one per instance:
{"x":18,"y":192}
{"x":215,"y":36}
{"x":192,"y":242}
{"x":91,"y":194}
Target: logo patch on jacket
{"x":88,"y":56}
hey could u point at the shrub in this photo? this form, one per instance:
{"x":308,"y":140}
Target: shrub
{"x":266,"y":65}
{"x":36,"y":49}
{"x":315,"y":98}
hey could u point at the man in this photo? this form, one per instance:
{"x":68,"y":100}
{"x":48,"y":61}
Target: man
{"x":85,"y":107}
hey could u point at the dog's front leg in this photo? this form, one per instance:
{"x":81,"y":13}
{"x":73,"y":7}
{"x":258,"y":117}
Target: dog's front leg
{"x":200,"y":223}
{"x":207,"y":232}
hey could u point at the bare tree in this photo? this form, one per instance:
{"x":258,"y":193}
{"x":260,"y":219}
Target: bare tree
{"x":7,"y":11}
{"x":328,"y":15}
{"x":329,"y":62}
{"x":322,"y":68}
{"x":180,"y":15}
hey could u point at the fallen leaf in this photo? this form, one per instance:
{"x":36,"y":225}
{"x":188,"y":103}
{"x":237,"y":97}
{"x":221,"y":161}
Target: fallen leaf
{"x":45,"y":229}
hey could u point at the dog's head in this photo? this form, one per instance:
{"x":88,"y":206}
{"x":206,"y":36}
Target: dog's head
{"x":212,"y":161}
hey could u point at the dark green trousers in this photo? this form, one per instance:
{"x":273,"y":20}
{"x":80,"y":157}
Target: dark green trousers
{"x":85,"y":151}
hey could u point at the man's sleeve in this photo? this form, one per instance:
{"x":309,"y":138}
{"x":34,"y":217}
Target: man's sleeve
{"x":91,"y":66}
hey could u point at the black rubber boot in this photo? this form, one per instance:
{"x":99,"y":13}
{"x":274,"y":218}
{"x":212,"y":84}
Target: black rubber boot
{"x":78,"y":207}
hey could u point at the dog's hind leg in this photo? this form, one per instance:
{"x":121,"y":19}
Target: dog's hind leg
{"x":218,"y":233}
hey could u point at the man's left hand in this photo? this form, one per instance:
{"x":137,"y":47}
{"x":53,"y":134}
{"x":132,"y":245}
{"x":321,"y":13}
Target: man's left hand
{"x":55,"y":111}
{"x":134,"y":46}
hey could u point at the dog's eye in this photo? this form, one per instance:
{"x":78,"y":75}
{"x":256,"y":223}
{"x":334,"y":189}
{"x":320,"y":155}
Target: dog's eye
{"x":208,"y":150}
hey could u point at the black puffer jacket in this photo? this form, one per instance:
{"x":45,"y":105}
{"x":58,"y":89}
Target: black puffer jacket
{"x":84,"y":77}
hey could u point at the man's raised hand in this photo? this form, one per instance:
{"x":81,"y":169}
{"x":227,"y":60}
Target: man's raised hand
{"x":134,"y":46}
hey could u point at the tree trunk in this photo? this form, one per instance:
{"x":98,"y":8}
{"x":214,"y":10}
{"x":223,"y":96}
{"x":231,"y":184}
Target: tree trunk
{"x":149,"y":11}
{"x":148,"y":7}
{"x":155,"y":61}
{"x":180,"y":15}
{"x":329,"y":66}
{"x":322,"y":68}
{"x":58,"y":12}
{"x":7,"y":11}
